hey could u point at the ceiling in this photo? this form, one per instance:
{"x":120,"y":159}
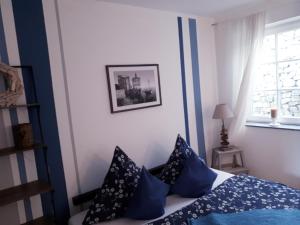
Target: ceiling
{"x":208,"y":8}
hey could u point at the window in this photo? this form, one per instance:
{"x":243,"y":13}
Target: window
{"x":277,"y":81}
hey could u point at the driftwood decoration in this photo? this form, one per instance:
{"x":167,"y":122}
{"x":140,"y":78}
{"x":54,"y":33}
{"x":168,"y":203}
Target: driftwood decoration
{"x":14,"y":90}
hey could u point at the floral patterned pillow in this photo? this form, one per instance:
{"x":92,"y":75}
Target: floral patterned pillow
{"x":175,"y":164}
{"x":119,"y":185}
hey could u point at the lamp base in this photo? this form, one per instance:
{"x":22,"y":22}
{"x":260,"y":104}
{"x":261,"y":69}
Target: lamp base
{"x":224,"y":137}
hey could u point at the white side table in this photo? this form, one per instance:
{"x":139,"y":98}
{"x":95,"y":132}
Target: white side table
{"x":236,"y":167}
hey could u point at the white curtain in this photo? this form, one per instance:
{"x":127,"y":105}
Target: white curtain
{"x":238,"y":43}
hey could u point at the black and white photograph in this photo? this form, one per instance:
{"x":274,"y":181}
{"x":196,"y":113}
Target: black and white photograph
{"x":133,"y":86}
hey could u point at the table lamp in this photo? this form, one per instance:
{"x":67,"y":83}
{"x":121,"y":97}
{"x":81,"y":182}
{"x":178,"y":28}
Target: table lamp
{"x":222,"y":111}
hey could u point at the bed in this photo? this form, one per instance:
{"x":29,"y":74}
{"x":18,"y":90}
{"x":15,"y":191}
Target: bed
{"x":173,"y":204}
{"x":220,"y":195}
{"x":230,"y":194}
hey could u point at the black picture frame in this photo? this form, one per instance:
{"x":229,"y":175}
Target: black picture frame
{"x":133,"y":87}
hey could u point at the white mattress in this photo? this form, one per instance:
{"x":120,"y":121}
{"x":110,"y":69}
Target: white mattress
{"x":173,"y":203}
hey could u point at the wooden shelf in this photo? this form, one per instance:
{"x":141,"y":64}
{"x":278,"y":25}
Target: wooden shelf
{"x":34,"y":104}
{"x":13,"y":150}
{"x":23,"y":191}
{"x":40,"y":221}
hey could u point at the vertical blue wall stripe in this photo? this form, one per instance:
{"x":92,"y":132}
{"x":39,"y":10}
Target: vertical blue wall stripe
{"x":182,"y":64}
{"x":196,"y":85}
{"x":14,"y":121}
{"x":33,"y":49}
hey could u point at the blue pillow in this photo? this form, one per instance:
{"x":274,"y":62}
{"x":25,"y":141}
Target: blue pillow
{"x":195,"y":180}
{"x":174,"y":165}
{"x":118,"y":187}
{"x":149,"y":198}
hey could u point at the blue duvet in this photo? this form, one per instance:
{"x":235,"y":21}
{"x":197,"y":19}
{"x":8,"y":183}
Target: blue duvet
{"x":237,"y":194}
{"x":253,"y":217}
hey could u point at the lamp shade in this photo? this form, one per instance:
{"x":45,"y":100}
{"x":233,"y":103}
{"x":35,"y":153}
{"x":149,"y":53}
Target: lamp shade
{"x":222,"y":111}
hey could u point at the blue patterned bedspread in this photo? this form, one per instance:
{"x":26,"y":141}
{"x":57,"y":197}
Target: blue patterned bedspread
{"x":237,"y":194}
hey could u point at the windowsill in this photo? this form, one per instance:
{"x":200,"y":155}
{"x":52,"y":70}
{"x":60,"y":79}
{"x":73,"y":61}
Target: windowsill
{"x":267,"y":125}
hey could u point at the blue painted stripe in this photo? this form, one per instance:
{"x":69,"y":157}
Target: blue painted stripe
{"x":15,"y":121}
{"x":196,"y":85}
{"x":184,"y":95}
{"x":39,"y":155}
{"x":33,"y":49}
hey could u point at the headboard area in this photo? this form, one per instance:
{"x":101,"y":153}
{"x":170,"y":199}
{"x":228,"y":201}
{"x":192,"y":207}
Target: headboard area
{"x":89,"y":196}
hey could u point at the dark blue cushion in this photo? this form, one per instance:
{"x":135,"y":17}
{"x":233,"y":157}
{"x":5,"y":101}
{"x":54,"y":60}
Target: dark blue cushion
{"x":149,"y":198}
{"x":195,"y":180}
{"x":118,"y":187}
{"x":174,"y":165}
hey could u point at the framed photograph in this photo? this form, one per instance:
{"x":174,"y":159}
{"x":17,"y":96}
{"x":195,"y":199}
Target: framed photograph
{"x":133,"y":87}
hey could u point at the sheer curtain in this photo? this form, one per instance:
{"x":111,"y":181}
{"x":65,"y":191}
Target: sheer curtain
{"x":238,"y":43}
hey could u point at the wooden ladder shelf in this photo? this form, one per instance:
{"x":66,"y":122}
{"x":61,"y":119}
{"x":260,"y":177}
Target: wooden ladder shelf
{"x":23,"y":191}
{"x":40,"y":221}
{"x":14,"y":150}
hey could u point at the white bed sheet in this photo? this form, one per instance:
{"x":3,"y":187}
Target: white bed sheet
{"x":173,"y":203}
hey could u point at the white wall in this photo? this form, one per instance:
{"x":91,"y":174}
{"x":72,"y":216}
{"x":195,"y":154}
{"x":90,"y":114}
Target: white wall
{"x":83,"y":37}
{"x":209,"y":84}
{"x":104,"y":34}
{"x":269,"y":153}
{"x":273,"y":154}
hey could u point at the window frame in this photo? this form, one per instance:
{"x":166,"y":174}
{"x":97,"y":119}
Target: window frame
{"x":270,"y":29}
